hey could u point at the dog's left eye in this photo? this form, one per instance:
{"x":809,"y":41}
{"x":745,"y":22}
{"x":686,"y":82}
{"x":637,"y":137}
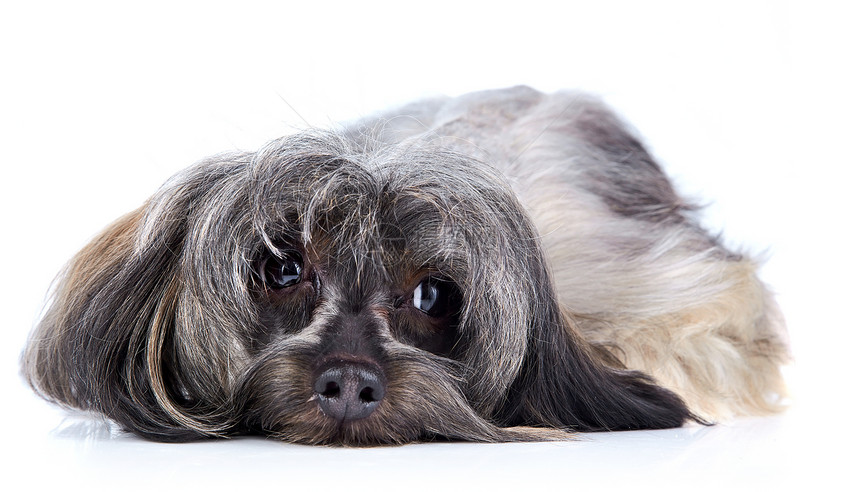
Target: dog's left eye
{"x":432,"y":297}
{"x":279,"y":273}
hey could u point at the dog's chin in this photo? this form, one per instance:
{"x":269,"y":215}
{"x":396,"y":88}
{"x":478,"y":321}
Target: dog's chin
{"x":311,"y":426}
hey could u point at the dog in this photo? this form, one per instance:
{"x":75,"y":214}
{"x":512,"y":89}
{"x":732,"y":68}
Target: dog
{"x":502,"y":266}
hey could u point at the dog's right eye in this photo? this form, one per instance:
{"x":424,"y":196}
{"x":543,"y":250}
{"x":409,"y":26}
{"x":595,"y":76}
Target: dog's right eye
{"x":279,"y":273}
{"x":434,"y":297}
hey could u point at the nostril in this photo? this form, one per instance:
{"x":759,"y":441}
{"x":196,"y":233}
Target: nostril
{"x":367,"y":395}
{"x":332,"y":390}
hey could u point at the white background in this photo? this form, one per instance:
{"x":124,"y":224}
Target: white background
{"x":752,"y":106}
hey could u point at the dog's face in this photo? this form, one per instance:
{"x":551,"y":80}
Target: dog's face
{"x":324,"y":294}
{"x":379,"y":290}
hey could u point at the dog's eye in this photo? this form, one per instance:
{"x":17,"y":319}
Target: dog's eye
{"x":279,"y":273}
{"x":432,"y":297}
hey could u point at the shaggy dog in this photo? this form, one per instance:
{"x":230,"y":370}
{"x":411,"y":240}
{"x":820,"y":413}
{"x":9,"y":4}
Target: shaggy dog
{"x":502,"y":266}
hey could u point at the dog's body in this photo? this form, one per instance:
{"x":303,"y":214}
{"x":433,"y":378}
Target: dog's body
{"x":459,"y":268}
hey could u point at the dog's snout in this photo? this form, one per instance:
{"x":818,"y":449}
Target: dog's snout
{"x":348,"y":391}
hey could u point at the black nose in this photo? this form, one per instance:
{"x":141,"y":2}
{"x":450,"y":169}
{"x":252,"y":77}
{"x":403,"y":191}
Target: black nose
{"x":348,"y":391}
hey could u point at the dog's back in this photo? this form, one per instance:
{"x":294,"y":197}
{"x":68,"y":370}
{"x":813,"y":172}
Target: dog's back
{"x":632,"y":267}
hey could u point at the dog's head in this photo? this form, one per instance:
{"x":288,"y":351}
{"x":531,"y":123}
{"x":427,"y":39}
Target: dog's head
{"x":324,"y":293}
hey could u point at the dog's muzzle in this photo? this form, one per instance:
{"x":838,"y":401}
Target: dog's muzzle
{"x":348,"y":391}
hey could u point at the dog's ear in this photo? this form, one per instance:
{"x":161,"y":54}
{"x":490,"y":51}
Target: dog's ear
{"x":565,"y":383}
{"x":105,"y":341}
